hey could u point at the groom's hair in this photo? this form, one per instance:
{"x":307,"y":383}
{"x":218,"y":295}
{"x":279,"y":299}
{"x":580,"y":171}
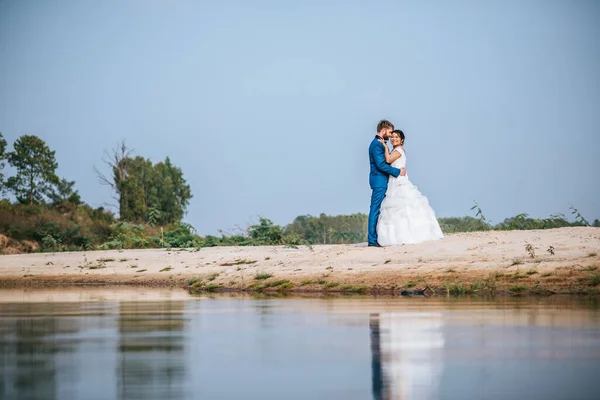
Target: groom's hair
{"x":383,"y":124}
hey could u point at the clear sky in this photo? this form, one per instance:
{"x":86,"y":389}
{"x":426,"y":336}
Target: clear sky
{"x":269,"y":106}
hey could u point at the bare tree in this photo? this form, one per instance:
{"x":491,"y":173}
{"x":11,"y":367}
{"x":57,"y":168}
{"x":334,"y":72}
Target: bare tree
{"x":115,"y":160}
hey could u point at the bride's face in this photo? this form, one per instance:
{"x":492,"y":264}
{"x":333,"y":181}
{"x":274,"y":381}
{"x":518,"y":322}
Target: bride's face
{"x":395,"y":139}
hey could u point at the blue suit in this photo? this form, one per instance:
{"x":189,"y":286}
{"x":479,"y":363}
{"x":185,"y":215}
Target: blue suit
{"x":378,"y":179}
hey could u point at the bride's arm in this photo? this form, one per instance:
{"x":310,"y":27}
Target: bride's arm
{"x":389,"y":158}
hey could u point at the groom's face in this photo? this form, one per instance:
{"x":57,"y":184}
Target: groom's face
{"x":386,"y":133}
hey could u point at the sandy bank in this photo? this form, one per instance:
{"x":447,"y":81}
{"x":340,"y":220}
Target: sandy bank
{"x":560,"y":260}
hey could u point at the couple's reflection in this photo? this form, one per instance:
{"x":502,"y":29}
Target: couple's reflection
{"x":407,"y":351}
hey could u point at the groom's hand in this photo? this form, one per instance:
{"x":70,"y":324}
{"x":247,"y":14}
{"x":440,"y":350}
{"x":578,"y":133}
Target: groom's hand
{"x":402,"y":171}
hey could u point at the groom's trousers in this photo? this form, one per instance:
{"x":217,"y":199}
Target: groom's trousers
{"x":377,"y":197}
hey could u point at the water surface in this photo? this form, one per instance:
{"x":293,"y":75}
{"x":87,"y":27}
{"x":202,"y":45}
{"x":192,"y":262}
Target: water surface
{"x":166,"y":344}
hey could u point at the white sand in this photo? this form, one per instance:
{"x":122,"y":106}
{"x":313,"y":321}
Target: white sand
{"x":464,"y":255}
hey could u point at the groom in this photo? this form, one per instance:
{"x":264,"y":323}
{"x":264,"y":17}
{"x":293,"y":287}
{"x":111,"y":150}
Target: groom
{"x":378,"y":177}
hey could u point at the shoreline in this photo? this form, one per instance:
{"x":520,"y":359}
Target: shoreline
{"x":563,"y":260}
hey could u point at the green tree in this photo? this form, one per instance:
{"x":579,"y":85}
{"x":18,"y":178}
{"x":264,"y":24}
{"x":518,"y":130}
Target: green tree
{"x":173,"y":194}
{"x":2,"y":158}
{"x":63,"y":192}
{"x":153,"y":193}
{"x":36,"y":170}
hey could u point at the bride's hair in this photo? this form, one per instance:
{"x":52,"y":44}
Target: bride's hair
{"x":399,"y":133}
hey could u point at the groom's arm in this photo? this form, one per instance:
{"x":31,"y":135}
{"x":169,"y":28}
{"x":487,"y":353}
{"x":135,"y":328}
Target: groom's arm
{"x":380,"y":163}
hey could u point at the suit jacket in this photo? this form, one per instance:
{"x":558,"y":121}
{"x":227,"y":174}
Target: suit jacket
{"x":380,"y":170}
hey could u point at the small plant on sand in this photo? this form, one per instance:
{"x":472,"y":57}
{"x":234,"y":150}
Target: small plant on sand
{"x":450,"y":270}
{"x":141,"y":270}
{"x":262,"y":276}
{"x":592,"y":254}
{"x":517,"y":289}
{"x":321,"y":281}
{"x":285,"y":286}
{"x":306,"y":282}
{"x":594,"y":279}
{"x":211,"y":287}
{"x":531,"y":272}
{"x":591,"y":268}
{"x":105,"y":260}
{"x":194,"y":282}
{"x":389,"y":260}
{"x":546,"y":274}
{"x":212,"y":277}
{"x":276,"y":283}
{"x":550,"y":250}
{"x":530,"y":250}
{"x":331,"y":285}
{"x":354,"y":289}
{"x":455,"y":288}
{"x":519,"y":275}
{"x":165,"y":269}
{"x":238,"y":262}
{"x":411,"y":284}
{"x":516,"y":261}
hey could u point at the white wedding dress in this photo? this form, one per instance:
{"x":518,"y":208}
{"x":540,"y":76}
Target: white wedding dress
{"x":406,"y":216}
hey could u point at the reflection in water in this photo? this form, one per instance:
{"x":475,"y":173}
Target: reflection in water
{"x":407,"y":350}
{"x":54,"y":350}
{"x":346,"y":348}
{"x":151,"y":349}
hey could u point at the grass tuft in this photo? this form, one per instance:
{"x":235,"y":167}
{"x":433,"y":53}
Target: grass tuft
{"x":262,"y":276}
{"x":517,"y":289}
{"x":212,"y":277}
{"x":354,"y":289}
{"x":238,"y":261}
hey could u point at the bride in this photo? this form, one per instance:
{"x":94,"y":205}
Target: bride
{"x":406,"y":216}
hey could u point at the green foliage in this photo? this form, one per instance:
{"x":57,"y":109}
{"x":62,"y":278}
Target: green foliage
{"x":179,"y":236}
{"x":266,"y":233}
{"x":70,"y":227}
{"x":462,"y":224}
{"x":579,"y":219}
{"x":523,"y":222}
{"x":479,"y":214}
{"x":326,"y":229}
{"x":63,"y":193}
{"x":156,"y":194}
{"x":36,"y":165}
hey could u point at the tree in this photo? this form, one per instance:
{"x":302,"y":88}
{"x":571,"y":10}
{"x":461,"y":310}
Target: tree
{"x":36,"y":165}
{"x":2,"y":158}
{"x":63,"y":192}
{"x":153,"y":193}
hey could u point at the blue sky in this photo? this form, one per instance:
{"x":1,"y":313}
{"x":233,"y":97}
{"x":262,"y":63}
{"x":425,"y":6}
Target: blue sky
{"x":269,"y":106}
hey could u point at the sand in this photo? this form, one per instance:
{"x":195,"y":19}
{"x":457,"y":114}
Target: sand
{"x":565,"y":260}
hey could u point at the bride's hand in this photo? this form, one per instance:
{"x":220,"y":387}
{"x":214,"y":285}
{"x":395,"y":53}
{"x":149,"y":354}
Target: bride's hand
{"x":382,"y":142}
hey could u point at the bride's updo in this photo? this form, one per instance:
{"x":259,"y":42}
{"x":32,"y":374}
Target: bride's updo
{"x":399,"y":133}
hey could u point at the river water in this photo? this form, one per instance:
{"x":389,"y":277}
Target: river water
{"x":115,"y":343}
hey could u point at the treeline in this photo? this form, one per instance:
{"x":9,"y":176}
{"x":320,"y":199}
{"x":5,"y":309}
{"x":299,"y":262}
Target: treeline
{"x":49,"y":214}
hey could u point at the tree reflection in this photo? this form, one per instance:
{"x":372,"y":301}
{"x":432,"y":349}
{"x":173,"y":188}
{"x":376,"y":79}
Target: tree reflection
{"x":151,"y":350}
{"x":29,"y":350}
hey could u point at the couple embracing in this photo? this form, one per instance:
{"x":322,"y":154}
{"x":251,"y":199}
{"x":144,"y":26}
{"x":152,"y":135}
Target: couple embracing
{"x":399,"y":213}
